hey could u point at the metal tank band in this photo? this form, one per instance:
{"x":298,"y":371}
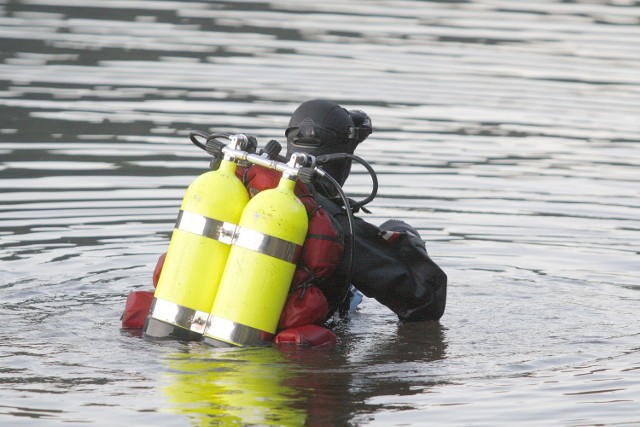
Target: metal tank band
{"x":228,"y":332}
{"x":243,"y":237}
{"x":205,"y":226}
{"x":268,"y":245}
{"x":178,"y":315}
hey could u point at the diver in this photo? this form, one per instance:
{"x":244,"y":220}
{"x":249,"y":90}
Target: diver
{"x":390,"y":262}
{"x":343,"y":256}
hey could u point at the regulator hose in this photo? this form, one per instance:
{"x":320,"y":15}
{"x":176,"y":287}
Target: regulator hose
{"x":350,"y":208}
{"x":354,"y":206}
{"x":351,"y":233}
{"x":193,"y":136}
{"x":213,"y":146}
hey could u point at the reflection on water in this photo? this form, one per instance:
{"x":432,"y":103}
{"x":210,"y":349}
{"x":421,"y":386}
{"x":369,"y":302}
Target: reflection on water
{"x":238,"y":387}
{"x":289,"y":387}
{"x":506,"y":132}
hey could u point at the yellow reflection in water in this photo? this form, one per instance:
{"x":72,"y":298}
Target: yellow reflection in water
{"x":233,"y":387}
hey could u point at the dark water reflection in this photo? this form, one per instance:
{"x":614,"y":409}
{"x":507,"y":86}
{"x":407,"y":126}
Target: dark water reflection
{"x":506,"y":132}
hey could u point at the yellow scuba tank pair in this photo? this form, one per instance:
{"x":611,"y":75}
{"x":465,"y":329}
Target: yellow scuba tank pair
{"x":230,"y":260}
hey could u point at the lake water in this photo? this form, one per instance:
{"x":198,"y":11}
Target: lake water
{"x":507,"y":132}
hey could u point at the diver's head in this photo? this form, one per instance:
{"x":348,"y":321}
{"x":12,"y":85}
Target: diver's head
{"x":321,"y":126}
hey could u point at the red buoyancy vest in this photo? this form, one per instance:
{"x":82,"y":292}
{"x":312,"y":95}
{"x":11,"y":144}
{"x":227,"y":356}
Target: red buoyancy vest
{"x":321,"y":252}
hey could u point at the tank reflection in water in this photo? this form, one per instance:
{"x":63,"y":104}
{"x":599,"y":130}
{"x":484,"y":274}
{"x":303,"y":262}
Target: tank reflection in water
{"x":233,"y":387}
{"x":269,"y":386}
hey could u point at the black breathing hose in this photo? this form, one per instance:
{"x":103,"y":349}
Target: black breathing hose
{"x":350,"y":221}
{"x":193,"y":136}
{"x":354,"y":206}
{"x":350,"y":207}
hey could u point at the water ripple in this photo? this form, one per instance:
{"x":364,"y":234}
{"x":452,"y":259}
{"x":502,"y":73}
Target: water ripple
{"x":506,"y":132}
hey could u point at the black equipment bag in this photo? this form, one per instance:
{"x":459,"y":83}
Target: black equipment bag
{"x":390,"y":264}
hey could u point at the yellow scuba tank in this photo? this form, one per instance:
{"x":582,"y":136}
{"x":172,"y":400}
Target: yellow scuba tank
{"x":197,"y":254}
{"x":261,"y":264}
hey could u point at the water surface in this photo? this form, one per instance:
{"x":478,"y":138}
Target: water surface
{"x":506,"y":132}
